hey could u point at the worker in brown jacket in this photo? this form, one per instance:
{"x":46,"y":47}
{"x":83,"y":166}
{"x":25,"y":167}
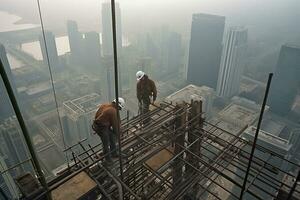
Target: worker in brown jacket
{"x":145,"y":91}
{"x":107,"y":125}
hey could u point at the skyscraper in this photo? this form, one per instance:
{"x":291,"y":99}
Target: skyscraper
{"x":205,"y":49}
{"x":231,"y":67}
{"x":12,"y":144}
{"x":5,"y":106}
{"x":75,"y":40}
{"x":286,"y":80}
{"x":51,"y":49}
{"x":79,"y":114}
{"x":107,"y":41}
{"x":174,"y":52}
{"x":92,"y":48}
{"x":7,"y":182}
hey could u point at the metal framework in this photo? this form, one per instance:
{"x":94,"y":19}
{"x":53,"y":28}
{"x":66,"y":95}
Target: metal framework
{"x":197,"y":160}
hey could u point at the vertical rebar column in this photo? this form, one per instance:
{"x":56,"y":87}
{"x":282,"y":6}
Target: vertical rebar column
{"x":25,"y":132}
{"x":180,"y":120}
{"x":195,"y":120}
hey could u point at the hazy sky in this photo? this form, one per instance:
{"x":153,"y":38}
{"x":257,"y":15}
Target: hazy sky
{"x":260,"y":16}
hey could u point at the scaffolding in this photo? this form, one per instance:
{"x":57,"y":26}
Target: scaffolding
{"x":180,"y":155}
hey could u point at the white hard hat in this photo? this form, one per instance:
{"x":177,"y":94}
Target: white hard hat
{"x":121,"y":102}
{"x":140,"y":75}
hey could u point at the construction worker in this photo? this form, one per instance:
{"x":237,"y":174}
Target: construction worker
{"x":107,"y":125}
{"x":146,"y":93}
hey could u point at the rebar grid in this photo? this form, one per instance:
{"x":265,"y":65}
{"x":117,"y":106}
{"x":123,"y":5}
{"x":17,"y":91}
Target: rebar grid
{"x":214,"y":170}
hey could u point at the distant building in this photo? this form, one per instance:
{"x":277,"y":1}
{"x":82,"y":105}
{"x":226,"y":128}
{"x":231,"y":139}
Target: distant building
{"x":268,"y":141}
{"x":7,"y":183}
{"x":107,"y":40}
{"x":205,"y":49}
{"x":78,"y":116}
{"x":5,"y":106}
{"x":75,"y":41}
{"x":240,"y":112}
{"x":286,"y":81}
{"x":91,"y":43}
{"x":51,"y":51}
{"x":174,"y":55}
{"x":186,"y":94}
{"x":265,"y":141}
{"x":232,"y":62}
{"x":12,"y":145}
{"x":13,"y":150}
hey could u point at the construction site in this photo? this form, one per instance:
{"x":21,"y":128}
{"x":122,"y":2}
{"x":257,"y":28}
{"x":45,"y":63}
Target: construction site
{"x":176,"y":151}
{"x":177,"y":155}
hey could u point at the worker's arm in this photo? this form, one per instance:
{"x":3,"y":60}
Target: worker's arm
{"x":138,"y":92}
{"x":154,"y":91}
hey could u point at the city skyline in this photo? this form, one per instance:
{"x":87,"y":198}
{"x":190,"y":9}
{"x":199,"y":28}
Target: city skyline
{"x":207,"y":65}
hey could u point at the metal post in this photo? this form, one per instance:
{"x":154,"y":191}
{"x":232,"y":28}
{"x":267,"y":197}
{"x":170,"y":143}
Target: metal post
{"x":256,"y":134}
{"x":113,"y":20}
{"x":19,"y":116}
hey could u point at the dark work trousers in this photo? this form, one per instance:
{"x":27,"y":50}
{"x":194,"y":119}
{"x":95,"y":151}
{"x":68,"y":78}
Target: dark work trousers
{"x":108,"y":138}
{"x":144,"y":108}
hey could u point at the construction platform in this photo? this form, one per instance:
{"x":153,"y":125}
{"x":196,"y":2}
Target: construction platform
{"x":172,"y":152}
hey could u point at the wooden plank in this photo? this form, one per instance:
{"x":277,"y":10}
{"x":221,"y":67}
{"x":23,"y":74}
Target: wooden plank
{"x":74,"y":188}
{"x":159,"y":159}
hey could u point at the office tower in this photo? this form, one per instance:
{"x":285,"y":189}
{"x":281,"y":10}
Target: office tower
{"x":92,"y":48}
{"x":285,"y":83}
{"x":51,"y":49}
{"x":75,"y":40}
{"x":193,"y":92}
{"x":275,"y":165}
{"x":79,"y":115}
{"x":232,"y":62}
{"x":205,"y":49}
{"x":7,"y":182}
{"x":5,"y":105}
{"x":12,"y":144}
{"x":107,"y":40}
{"x":174,"y":58}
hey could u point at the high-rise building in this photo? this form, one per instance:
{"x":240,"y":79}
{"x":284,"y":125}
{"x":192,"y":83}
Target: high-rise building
{"x":205,"y":49}
{"x":286,"y":81}
{"x":92,"y":48}
{"x":5,"y":106}
{"x":79,"y":115}
{"x":7,"y":183}
{"x":232,"y":62}
{"x":193,"y":92}
{"x":174,"y":52}
{"x":107,"y":41}
{"x":75,"y":40}
{"x":12,"y":145}
{"x":51,"y":49}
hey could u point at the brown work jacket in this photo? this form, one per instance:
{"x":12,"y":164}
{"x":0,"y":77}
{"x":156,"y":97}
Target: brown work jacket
{"x":107,"y":116}
{"x":145,"y":89}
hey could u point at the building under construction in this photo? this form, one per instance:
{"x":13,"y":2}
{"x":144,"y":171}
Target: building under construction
{"x":177,"y":155}
{"x":171,"y":152}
